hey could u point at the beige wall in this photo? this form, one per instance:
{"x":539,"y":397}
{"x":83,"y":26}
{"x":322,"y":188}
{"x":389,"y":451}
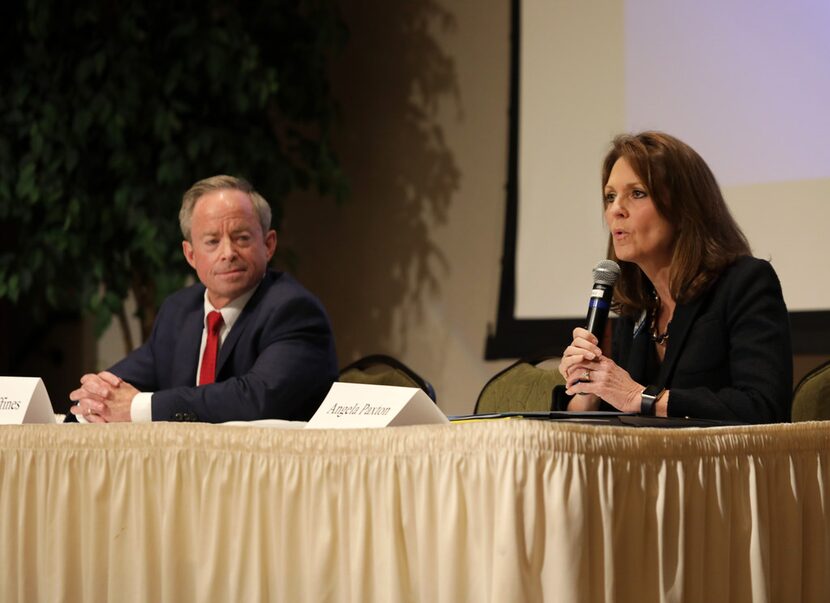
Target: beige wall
{"x":410,"y":264}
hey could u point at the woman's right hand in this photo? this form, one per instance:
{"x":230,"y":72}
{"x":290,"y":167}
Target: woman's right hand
{"x":592,"y":377}
{"x":584,"y":349}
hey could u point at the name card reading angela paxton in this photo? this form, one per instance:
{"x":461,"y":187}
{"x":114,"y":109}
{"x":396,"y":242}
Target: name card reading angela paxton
{"x":357,"y":405}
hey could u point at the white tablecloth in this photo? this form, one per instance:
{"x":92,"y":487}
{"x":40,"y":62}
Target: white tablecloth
{"x":500,"y":511}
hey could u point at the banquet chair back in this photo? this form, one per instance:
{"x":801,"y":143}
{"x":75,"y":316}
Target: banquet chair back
{"x":811,"y":397}
{"x":524,"y":386}
{"x":380,"y":369}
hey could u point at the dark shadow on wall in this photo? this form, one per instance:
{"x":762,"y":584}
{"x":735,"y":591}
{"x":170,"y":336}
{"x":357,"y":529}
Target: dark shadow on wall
{"x":373,"y":261}
{"x":55,"y":348}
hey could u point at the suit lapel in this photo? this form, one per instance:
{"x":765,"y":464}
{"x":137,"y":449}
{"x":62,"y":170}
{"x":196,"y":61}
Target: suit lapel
{"x":233,"y":336}
{"x":186,"y":361}
{"x":681,"y":323}
{"x":639,"y":353}
{"x":241,"y":323}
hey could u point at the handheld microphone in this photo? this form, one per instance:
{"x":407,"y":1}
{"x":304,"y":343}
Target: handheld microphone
{"x":606,"y":273}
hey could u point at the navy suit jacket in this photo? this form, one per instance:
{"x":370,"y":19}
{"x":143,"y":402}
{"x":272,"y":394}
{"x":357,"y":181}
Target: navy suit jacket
{"x":277,"y":361}
{"x":729,"y":354}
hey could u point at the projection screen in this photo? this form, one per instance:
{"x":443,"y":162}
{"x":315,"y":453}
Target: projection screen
{"x":745,"y":83}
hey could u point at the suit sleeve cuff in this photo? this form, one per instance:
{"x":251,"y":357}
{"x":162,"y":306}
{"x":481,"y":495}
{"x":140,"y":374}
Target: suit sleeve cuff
{"x":141,"y":408}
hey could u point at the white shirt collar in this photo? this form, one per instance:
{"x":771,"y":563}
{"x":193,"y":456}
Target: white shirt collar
{"x":231,"y":311}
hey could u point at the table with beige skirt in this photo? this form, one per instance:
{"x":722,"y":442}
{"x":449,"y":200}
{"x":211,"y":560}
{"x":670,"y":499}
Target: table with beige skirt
{"x":508,"y":510}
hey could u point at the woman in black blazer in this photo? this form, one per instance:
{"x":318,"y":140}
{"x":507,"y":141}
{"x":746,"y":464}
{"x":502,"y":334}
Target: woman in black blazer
{"x":703,"y":329}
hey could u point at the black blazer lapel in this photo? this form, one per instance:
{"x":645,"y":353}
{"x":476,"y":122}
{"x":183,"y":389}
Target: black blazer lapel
{"x":639,"y":353}
{"x":681,"y":323}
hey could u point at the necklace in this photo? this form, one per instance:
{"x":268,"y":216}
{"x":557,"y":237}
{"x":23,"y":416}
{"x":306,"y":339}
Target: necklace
{"x":656,"y":336}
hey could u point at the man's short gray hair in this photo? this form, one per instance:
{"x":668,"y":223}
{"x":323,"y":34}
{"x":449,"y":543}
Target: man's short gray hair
{"x":222,"y":182}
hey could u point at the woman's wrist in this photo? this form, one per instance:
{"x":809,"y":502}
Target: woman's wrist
{"x":584,"y":403}
{"x":634,"y":398}
{"x":648,"y":397}
{"x":661,"y":406}
{"x":654,"y":401}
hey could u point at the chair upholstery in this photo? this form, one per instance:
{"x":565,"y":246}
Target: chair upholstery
{"x":379,"y":369}
{"x":811,"y":398}
{"x":523,"y":386}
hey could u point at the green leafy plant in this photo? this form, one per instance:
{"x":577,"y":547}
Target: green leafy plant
{"x":110,"y":110}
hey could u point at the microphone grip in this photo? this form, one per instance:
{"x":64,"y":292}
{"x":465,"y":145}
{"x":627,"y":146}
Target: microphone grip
{"x":598,"y":307}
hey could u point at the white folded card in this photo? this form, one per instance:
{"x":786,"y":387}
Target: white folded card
{"x":353,"y":405}
{"x":24,"y":400}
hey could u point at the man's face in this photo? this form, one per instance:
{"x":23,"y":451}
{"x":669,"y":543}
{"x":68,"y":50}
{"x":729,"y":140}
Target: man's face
{"x":227,"y":247}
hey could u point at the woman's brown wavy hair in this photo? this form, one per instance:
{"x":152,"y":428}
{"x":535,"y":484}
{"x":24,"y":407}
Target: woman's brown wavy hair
{"x":685,"y":192}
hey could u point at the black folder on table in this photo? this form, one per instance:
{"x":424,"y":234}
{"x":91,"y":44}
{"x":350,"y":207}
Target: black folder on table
{"x":599,"y":418}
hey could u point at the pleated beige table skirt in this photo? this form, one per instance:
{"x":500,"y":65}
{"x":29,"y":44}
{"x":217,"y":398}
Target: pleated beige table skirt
{"x":501,"y":511}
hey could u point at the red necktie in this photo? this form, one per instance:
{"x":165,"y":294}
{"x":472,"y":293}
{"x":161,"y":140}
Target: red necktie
{"x":207,"y":374}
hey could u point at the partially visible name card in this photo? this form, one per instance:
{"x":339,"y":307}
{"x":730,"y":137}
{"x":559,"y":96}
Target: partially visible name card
{"x":24,"y":400}
{"x":355,"y":405}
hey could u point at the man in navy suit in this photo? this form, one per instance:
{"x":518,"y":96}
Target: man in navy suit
{"x":245,"y":343}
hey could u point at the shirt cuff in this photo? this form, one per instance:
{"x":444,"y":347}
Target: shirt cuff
{"x":141,"y":408}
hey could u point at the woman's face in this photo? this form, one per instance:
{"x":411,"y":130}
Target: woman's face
{"x":639,"y":233}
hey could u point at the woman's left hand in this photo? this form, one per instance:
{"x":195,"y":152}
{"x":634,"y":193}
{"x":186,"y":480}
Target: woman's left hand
{"x":606,"y":380}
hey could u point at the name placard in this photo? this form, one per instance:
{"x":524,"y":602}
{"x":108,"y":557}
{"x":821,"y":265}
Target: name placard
{"x":356,"y":405}
{"x":24,"y":400}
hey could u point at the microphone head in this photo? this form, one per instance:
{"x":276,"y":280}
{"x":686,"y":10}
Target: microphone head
{"x":606,"y":272}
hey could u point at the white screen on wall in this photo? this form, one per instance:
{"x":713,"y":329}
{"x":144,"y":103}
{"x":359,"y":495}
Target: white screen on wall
{"x":746,"y":83}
